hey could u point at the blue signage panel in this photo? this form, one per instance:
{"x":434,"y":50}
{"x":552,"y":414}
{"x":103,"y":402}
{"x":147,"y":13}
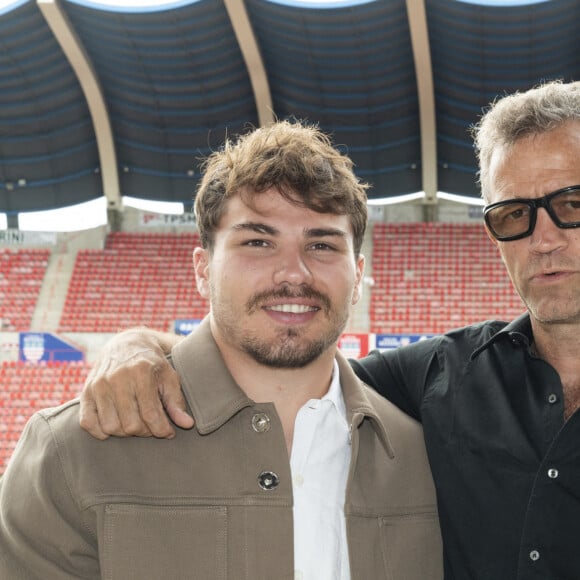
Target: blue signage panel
{"x":44,"y":346}
{"x":387,"y":341}
{"x":185,"y":325}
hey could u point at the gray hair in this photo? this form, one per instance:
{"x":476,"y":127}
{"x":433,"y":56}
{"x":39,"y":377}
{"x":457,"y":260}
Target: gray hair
{"x":538,"y":110}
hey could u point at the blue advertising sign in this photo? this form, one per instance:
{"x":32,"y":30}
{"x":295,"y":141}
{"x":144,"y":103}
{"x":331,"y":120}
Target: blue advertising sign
{"x":44,"y":346}
{"x":388,"y":341}
{"x":185,"y":325}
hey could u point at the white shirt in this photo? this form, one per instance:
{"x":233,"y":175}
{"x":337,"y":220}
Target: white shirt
{"x":319,"y":464}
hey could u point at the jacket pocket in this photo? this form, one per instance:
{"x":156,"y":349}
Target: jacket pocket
{"x":164,"y":543}
{"x":411,"y":546}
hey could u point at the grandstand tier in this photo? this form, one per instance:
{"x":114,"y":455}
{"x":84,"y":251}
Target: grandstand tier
{"x":137,"y":279}
{"x":29,"y":387}
{"x":21,"y":275}
{"x":432,"y":277}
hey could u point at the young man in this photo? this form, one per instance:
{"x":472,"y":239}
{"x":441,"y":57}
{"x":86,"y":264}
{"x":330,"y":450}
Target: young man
{"x":294,"y":468}
{"x":498,"y":401}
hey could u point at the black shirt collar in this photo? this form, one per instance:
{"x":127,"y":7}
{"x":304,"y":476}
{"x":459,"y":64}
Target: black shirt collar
{"x":518,"y":331}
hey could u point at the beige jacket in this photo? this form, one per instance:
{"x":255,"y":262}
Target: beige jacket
{"x":198,"y":506}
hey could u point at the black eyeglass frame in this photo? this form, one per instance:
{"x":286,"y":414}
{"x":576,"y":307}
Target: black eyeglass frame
{"x":533,"y":204}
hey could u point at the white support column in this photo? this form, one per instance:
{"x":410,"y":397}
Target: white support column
{"x":417,"y":17}
{"x":79,"y":60}
{"x":253,"y":59}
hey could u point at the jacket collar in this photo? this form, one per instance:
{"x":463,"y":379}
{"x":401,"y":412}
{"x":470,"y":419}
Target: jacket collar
{"x":358,"y":404}
{"x":518,"y":331}
{"x":209,"y":388}
{"x":214,"y":397}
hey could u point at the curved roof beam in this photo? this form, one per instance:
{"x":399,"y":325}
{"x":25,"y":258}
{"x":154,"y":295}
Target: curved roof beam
{"x":253,"y":59}
{"x":79,"y":60}
{"x":417,"y":17}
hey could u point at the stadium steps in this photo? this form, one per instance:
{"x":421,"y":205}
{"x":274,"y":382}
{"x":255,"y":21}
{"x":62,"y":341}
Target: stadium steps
{"x":53,"y":292}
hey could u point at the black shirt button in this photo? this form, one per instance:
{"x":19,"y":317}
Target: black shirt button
{"x":552,"y":473}
{"x":534,"y":555}
{"x":552,"y":398}
{"x":268,"y":480}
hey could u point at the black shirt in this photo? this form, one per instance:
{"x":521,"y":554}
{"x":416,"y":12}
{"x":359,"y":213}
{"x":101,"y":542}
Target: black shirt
{"x":506,"y":466}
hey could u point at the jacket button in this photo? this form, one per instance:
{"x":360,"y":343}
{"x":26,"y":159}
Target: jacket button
{"x":260,"y":423}
{"x":268,"y":480}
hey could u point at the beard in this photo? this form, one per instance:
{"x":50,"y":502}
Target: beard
{"x":289,"y":351}
{"x":290,"y":348}
{"x":555,"y":309}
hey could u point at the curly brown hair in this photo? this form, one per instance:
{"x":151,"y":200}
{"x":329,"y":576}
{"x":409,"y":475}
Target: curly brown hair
{"x":295,"y":158}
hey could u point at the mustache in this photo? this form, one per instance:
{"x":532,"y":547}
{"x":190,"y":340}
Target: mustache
{"x":536,"y":264}
{"x":257,"y":300}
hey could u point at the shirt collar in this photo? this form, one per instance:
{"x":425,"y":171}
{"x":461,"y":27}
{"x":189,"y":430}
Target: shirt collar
{"x":518,"y":331}
{"x":334,"y":393}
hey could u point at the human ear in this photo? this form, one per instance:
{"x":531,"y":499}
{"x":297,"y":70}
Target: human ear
{"x":360,"y":270}
{"x":201,"y":268}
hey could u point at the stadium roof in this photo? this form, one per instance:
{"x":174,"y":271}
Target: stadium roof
{"x":108,"y":100}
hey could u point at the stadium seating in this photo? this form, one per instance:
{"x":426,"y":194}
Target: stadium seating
{"x":432,"y":277}
{"x":21,"y":275}
{"x":137,"y":279}
{"x":28,"y":387}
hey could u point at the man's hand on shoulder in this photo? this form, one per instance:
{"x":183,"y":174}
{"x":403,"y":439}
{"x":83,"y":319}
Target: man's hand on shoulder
{"x":132,"y":388}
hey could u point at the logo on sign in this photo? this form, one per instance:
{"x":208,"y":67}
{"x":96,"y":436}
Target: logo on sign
{"x":33,"y":347}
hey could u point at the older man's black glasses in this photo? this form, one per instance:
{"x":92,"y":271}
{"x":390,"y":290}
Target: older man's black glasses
{"x":514,"y":219}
